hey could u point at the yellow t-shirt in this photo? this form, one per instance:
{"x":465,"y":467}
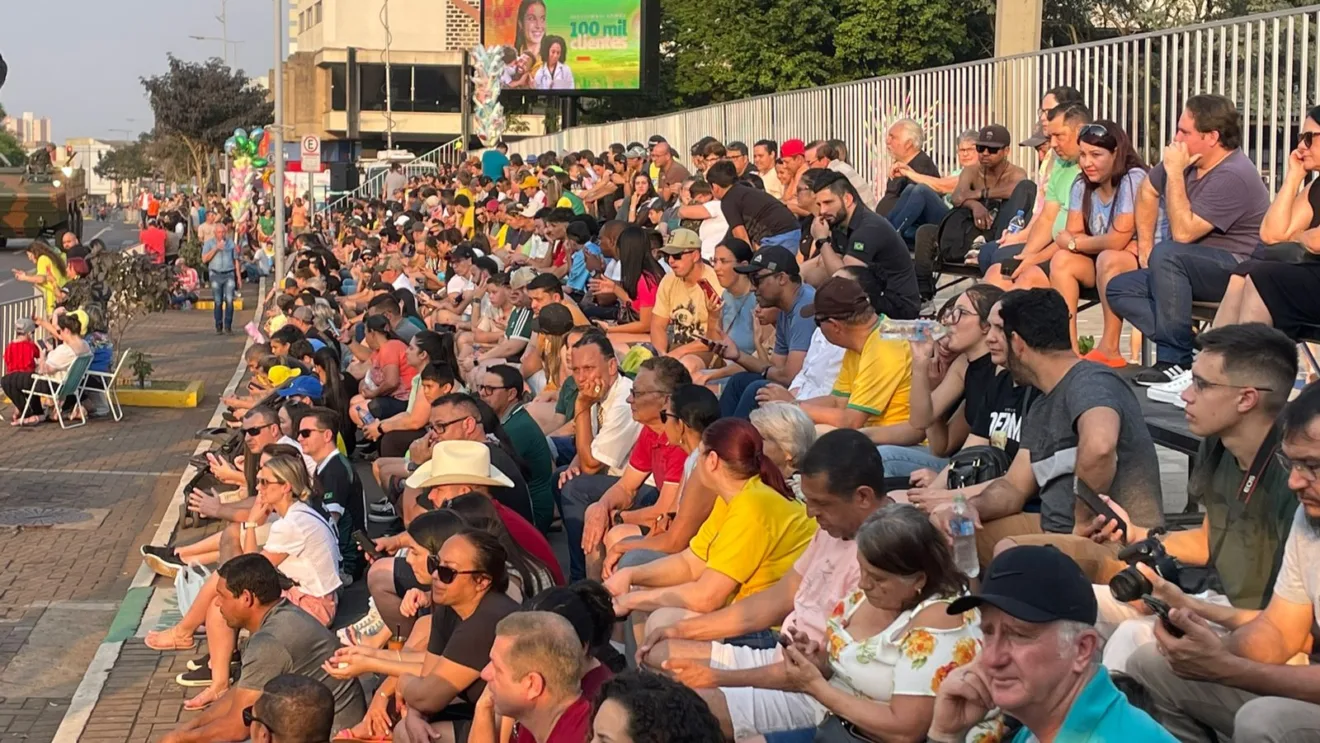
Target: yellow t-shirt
{"x":755,"y":538}
{"x":46,"y":267}
{"x":877,"y":381}
{"x":685,"y":306}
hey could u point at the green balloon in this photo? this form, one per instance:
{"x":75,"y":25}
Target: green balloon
{"x":259,"y":162}
{"x":241,"y":140}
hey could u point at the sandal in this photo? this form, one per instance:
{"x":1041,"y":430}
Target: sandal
{"x":1100,"y":357}
{"x":28,"y":422}
{"x":203,"y":700}
{"x":168,"y":640}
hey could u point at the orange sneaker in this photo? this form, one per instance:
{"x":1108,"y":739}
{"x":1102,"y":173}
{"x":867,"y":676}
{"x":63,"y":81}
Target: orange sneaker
{"x":1099,"y":357}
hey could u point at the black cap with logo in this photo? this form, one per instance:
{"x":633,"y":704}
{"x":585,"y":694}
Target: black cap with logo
{"x":1036,"y":584}
{"x":771,"y":258}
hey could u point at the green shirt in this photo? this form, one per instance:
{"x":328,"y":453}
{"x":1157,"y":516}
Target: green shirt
{"x":566,"y":405}
{"x":529,"y":441}
{"x":1059,"y":191}
{"x":1101,"y":713}
{"x":1246,"y":540}
{"x":519,"y":324}
{"x":267,"y":225}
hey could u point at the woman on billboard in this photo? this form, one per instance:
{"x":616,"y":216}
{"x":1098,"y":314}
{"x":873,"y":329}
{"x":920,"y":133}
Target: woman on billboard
{"x":553,"y":74}
{"x":530,"y":31}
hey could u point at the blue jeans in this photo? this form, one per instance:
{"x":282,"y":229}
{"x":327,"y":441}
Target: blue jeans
{"x":901,"y":461}
{"x":575,"y":496}
{"x":917,"y":205}
{"x":738,"y":399}
{"x":563,"y":449}
{"x":223,"y":284}
{"x":1158,"y":300}
{"x":789,"y":241}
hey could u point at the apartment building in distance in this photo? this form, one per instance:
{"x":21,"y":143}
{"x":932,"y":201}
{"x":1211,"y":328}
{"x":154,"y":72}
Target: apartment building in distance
{"x":335,"y":83}
{"x":28,"y":129}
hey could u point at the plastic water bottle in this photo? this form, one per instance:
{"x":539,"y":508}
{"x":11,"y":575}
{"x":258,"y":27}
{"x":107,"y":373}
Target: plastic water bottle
{"x":1018,"y":222}
{"x":964,"y":538}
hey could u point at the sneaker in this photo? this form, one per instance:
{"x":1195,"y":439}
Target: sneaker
{"x":370,"y":625}
{"x":199,"y":677}
{"x":163,"y":561}
{"x":1171,"y":392}
{"x":381,"y":512}
{"x":1161,"y":373}
{"x":202,"y":662}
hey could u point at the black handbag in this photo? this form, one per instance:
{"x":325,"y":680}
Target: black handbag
{"x":977,"y":464}
{"x":1289,"y":252}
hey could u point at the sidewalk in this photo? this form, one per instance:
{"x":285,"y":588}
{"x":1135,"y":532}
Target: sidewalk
{"x":107,"y":486}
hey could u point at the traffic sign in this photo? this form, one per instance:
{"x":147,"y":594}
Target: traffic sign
{"x":311,"y":154}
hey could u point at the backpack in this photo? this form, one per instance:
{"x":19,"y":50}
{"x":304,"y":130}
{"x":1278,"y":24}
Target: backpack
{"x":955,"y":235}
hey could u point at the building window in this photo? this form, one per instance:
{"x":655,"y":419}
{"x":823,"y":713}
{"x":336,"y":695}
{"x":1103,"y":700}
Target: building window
{"x":317,"y":8}
{"x":415,"y":88}
{"x":338,"y":87}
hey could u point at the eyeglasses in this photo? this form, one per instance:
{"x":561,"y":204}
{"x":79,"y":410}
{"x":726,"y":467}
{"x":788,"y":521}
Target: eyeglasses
{"x":441,"y":427}
{"x":954,"y":316}
{"x":254,"y":430}
{"x":986,"y":149}
{"x":1310,"y":471}
{"x":306,"y":432}
{"x":1306,"y":138}
{"x":444,"y":573}
{"x":249,"y":717}
{"x":638,"y":393}
{"x":1201,"y":384}
{"x":486,"y":389}
{"x":757,"y":278}
{"x":820,"y":321}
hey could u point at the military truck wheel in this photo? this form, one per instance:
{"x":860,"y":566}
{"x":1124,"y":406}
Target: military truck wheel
{"x":3,"y":242}
{"x":76,"y":221}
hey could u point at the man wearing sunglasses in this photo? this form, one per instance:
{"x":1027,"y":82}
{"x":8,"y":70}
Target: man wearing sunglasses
{"x":341,"y":489}
{"x":292,"y":709}
{"x":284,"y":639}
{"x":687,"y":300}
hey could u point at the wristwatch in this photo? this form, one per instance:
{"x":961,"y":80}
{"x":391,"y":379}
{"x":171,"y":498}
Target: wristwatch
{"x":1072,"y":245}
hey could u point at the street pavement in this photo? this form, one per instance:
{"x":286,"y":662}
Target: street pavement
{"x":115,"y":233}
{"x":62,"y":587}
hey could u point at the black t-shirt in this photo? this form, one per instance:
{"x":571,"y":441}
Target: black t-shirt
{"x":921,"y":164}
{"x":342,"y":493}
{"x":467,"y":641}
{"x":77,"y":251}
{"x":762,"y":214}
{"x":976,"y":387}
{"x":518,"y":497}
{"x":870,"y":238}
{"x":1000,"y":412}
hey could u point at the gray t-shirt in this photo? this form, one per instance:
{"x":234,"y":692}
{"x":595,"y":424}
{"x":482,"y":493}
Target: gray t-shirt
{"x":1049,"y":432}
{"x":291,"y":641}
{"x":1231,"y":197}
{"x":1299,"y":577}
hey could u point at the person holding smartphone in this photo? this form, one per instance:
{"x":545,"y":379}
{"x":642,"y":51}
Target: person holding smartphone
{"x":685,"y":302}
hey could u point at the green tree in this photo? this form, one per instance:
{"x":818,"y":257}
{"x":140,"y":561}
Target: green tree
{"x":198,"y":106}
{"x":10,"y":147}
{"x":127,"y":162}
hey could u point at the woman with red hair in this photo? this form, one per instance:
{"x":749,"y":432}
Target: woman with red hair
{"x":755,"y":532}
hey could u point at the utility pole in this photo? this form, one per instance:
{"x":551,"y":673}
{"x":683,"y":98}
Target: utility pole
{"x":224,"y":30}
{"x":389,"y":85}
{"x":277,"y":139}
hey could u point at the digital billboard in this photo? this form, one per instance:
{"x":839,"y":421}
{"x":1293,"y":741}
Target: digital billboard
{"x":569,"y":45}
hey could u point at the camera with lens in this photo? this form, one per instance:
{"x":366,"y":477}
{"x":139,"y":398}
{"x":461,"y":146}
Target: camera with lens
{"x":1129,"y":584}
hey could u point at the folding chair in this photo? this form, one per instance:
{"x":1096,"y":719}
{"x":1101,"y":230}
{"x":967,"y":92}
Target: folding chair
{"x":109,"y":386}
{"x":73,"y":380}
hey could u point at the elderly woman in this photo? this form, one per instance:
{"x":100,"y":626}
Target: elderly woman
{"x":888,"y":644}
{"x":788,"y":434}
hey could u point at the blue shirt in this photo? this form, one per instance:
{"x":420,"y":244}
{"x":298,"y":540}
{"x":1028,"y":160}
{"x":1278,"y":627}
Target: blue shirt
{"x":1102,"y":714}
{"x":223,"y":259}
{"x":792,"y":331}
{"x":493,"y":163}
{"x":739,"y":317}
{"x":577,"y":267}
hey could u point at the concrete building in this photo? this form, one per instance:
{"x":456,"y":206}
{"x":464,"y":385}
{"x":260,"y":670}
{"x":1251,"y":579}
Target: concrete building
{"x":87,"y":152}
{"x":28,"y":129}
{"x":427,"y":40}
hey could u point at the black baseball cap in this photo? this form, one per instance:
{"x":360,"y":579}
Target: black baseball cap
{"x":771,"y":258}
{"x":655,"y":140}
{"x":1036,"y":584}
{"x":993,"y":135}
{"x":553,"y":319}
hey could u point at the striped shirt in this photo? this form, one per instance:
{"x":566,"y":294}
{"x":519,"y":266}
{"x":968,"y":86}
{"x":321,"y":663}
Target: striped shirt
{"x":519,"y":324}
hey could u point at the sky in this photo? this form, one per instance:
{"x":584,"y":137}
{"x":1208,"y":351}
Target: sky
{"x":78,"y":62}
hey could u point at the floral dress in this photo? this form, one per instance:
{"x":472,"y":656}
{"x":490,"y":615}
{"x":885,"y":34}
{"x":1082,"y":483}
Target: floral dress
{"x":903,"y":661}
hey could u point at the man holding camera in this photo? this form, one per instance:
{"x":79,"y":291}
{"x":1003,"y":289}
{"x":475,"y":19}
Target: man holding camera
{"x":1241,"y":380}
{"x":1248,"y":685}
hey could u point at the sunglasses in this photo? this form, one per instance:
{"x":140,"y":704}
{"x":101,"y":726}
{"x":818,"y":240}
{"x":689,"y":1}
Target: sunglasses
{"x":666,"y":416}
{"x":1100,"y":133}
{"x":444,"y":573}
{"x":267,"y":482}
{"x":1305,"y":138}
{"x":254,"y":430}
{"x":249,"y":717}
{"x":989,"y":150}
{"x":306,"y":432}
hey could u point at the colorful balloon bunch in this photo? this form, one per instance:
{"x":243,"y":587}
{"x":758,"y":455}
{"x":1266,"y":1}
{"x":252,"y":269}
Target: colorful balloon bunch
{"x":250,"y":167}
{"x":487,"y":66}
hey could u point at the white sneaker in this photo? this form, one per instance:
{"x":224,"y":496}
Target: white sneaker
{"x":1171,"y":392}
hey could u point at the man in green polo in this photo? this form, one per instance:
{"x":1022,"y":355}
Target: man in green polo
{"x":501,"y":387}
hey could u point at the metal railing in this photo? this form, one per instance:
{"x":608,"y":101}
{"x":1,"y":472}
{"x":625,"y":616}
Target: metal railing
{"x":18,"y":309}
{"x":1269,"y":64}
{"x":448,"y":153}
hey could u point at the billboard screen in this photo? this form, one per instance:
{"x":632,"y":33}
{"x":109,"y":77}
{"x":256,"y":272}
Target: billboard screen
{"x":568,"y":45}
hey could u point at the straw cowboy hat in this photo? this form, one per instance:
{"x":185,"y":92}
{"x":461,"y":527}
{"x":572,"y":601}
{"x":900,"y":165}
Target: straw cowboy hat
{"x":459,"y":463}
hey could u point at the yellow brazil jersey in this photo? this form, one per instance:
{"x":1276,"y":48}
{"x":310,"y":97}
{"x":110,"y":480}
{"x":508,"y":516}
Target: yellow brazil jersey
{"x":754,"y":538}
{"x":877,"y":381}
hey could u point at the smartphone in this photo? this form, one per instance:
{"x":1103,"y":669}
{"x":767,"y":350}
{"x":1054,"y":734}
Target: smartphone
{"x":712,"y":296}
{"x":1009,"y":266}
{"x":366,"y":545}
{"x":1161,"y":610}
{"x":1097,"y":504}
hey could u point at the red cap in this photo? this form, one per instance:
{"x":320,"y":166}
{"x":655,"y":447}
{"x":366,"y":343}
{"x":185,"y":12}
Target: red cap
{"x":792,"y":148}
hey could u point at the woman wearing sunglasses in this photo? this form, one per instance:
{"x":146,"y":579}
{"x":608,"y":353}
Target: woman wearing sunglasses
{"x":1099,"y":241}
{"x":301,"y":545}
{"x":1282,"y":290}
{"x":426,"y":535}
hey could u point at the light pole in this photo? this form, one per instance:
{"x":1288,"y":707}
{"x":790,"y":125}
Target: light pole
{"x":277,"y":138}
{"x":225,"y":42}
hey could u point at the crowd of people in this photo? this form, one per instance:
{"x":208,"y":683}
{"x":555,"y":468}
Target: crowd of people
{"x":784,"y":520}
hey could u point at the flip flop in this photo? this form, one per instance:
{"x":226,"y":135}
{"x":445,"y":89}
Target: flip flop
{"x":167,"y":640}
{"x":203,"y":700}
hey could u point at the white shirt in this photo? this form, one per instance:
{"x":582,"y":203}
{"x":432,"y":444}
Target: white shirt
{"x":612,"y":426}
{"x":459,"y":284}
{"x":403,"y":282}
{"x":311,"y":463}
{"x":864,"y":189}
{"x":312,"y":549}
{"x":560,"y":79}
{"x":772,"y":184}
{"x":820,"y":368}
{"x":713,"y":229}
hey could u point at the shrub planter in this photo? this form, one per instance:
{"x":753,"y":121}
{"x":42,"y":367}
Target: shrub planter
{"x":209,"y":304}
{"x":160,"y":393}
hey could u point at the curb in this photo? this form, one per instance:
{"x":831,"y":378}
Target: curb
{"x":135,"y":602}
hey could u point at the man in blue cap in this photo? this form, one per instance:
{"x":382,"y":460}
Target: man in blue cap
{"x":1041,"y":659}
{"x":305,"y":389}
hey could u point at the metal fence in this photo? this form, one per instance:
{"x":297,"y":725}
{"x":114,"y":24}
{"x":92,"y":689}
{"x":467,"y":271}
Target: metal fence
{"x":13,"y":311}
{"x":449,"y":153}
{"x":1269,"y":64}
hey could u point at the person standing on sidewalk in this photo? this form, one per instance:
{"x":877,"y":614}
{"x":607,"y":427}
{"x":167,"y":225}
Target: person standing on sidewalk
{"x":221,"y":258}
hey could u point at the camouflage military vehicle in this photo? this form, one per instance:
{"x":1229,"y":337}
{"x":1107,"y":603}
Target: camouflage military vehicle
{"x":39,"y":201}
